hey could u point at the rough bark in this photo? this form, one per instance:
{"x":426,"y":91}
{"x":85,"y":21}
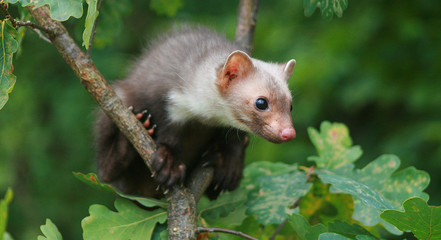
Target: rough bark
{"x":246,"y":23}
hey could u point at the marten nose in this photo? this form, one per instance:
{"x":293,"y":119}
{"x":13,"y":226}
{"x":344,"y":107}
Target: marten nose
{"x":288,"y":134}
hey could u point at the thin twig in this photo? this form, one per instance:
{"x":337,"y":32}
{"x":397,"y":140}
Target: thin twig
{"x":17,"y":23}
{"x":41,"y":35}
{"x":30,"y":24}
{"x":223,"y":230}
{"x":94,"y":29}
{"x":279,"y":228}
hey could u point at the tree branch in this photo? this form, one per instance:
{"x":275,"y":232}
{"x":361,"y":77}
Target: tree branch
{"x":223,"y":230}
{"x":246,"y":22}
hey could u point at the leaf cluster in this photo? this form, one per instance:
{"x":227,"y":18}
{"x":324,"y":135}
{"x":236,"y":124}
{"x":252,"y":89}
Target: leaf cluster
{"x":329,"y":201}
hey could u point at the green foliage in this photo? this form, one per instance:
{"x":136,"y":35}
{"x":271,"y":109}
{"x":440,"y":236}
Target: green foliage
{"x":333,"y":230}
{"x":348,"y":230}
{"x":336,"y":236}
{"x":8,"y":47}
{"x":111,"y":22}
{"x":270,"y":203}
{"x":304,"y":230}
{"x":92,"y":180}
{"x":4,"y":211}
{"x":422,"y":220}
{"x":327,"y":7}
{"x":333,"y":145}
{"x":376,"y":187}
{"x":92,"y":14}
{"x":227,"y":211}
{"x":129,"y":222}
{"x":320,"y":205}
{"x":61,"y":10}
{"x":7,"y":236}
{"x":50,"y":231}
{"x":166,"y":7}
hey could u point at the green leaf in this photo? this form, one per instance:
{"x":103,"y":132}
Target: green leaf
{"x":160,"y":232}
{"x":357,"y":189}
{"x":50,"y":231}
{"x":111,"y":21}
{"x":348,"y":230}
{"x":271,"y":201}
{"x":331,"y":236}
{"x":377,"y":187}
{"x":227,"y":211}
{"x":334,"y":146}
{"x":129,"y":222}
{"x":8,"y":47}
{"x":4,"y":211}
{"x":304,"y":230}
{"x":7,"y":236}
{"x":92,"y":180}
{"x":422,"y":220}
{"x":327,"y":7}
{"x":258,"y":169}
{"x":92,"y":14}
{"x":61,"y":10}
{"x":166,"y":7}
{"x":364,"y":237}
{"x":320,"y":205}
{"x":336,"y":236}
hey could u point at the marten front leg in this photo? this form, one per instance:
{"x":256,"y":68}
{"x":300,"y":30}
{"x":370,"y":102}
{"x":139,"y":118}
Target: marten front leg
{"x":227,"y":158}
{"x":168,"y":170}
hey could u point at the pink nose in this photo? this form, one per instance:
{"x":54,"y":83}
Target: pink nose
{"x":288,"y":134}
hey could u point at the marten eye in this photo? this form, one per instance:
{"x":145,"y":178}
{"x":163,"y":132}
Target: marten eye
{"x":290,"y":109}
{"x":261,"y":104}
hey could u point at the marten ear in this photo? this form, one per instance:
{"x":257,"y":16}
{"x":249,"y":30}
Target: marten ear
{"x":289,"y":68}
{"x":237,"y":66}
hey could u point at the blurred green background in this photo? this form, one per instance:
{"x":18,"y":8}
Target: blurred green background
{"x":377,"y":70}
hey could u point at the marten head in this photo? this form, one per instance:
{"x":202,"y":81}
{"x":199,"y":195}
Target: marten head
{"x":258,"y":95}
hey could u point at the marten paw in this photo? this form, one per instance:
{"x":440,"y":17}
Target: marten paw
{"x":226,"y":176}
{"x":168,"y":171}
{"x":145,"y":119}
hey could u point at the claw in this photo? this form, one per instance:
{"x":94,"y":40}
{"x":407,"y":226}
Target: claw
{"x":151,"y":130}
{"x":147,"y":121}
{"x":139,"y":116}
{"x":166,"y":191}
{"x":130,"y":108}
{"x":157,"y":188}
{"x":205,"y":164}
{"x":144,"y":112}
{"x":153,"y":174}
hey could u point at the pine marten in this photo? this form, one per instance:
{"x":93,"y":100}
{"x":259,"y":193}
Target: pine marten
{"x":198,"y":95}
